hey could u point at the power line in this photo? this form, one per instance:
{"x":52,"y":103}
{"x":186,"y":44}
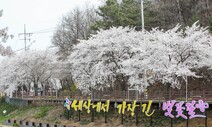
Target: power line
{"x":44,"y":30}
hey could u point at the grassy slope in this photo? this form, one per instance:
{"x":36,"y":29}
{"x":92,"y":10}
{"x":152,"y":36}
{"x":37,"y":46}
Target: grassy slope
{"x":56,"y":115}
{"x":8,"y":108}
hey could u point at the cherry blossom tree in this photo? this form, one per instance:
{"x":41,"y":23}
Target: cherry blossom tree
{"x":29,"y":69}
{"x":180,"y":51}
{"x":97,"y":63}
{"x":4,"y":36}
{"x":133,"y":57}
{"x":120,"y":56}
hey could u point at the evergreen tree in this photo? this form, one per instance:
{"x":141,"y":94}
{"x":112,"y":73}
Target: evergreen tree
{"x":114,"y":13}
{"x":164,"y":14}
{"x":210,"y":23}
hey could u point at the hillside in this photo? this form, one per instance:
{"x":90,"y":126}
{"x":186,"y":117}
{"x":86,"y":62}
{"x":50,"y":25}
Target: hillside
{"x":58,"y":115}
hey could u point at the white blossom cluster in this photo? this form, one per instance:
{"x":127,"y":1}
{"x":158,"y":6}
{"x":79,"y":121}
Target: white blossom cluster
{"x":3,"y":38}
{"x":156,"y":55}
{"x":141,"y":57}
{"x":28,"y":68}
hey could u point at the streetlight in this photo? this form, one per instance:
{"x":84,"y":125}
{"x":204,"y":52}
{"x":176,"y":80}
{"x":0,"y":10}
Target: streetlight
{"x":142,"y":28}
{"x":142,"y":15}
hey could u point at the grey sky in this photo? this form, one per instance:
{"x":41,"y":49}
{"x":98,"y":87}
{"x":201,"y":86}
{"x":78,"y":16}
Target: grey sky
{"x":40,"y":16}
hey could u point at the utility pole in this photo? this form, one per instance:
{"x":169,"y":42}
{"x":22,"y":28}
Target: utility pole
{"x":25,"y":47}
{"x":142,"y":15}
{"x":25,"y":34}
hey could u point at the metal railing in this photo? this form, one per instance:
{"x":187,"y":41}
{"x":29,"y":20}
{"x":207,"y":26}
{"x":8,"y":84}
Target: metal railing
{"x":120,"y":95}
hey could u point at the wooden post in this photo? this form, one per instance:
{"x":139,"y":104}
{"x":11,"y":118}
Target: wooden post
{"x":171,"y":122}
{"x":136,"y":116}
{"x":79,"y":114}
{"x":122,"y":115}
{"x":105,"y":117}
{"x":68,"y":114}
{"x":92,"y":120}
{"x":141,"y":109}
{"x":187,"y":119}
{"x":186,"y":122}
{"x":122,"y":118}
{"x":206,"y":118}
{"x":92,"y":108}
{"x":20,"y":122}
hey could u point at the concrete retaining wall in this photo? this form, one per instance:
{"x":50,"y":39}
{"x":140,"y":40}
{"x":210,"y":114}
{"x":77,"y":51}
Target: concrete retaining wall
{"x":16,"y":101}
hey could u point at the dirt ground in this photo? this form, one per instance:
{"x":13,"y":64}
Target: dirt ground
{"x":4,"y":126}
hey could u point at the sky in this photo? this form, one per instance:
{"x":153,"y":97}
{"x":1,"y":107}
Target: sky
{"x":39,"y":16}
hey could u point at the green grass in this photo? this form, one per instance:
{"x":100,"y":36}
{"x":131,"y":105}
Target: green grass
{"x":12,"y":112}
{"x":8,"y":108}
{"x":16,"y":125}
{"x":84,"y":122}
{"x":43,"y":112}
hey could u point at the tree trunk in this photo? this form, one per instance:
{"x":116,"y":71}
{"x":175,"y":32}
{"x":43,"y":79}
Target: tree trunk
{"x":36,"y":88}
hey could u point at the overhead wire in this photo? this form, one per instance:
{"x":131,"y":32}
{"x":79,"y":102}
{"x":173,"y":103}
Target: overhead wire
{"x":44,"y":30}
